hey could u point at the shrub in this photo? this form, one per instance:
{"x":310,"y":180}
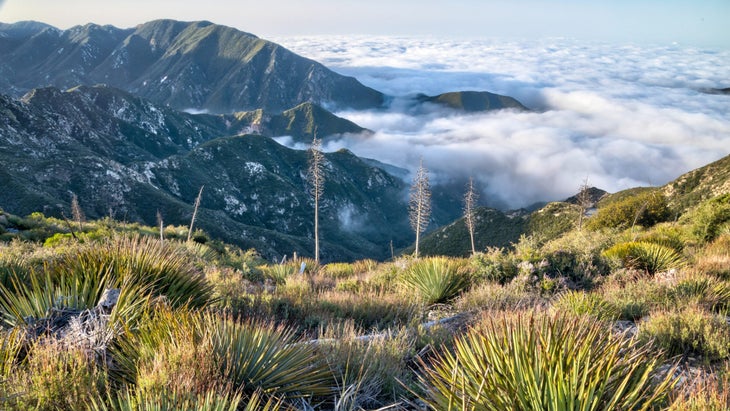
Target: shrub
{"x":649,"y":257}
{"x":709,"y":392}
{"x":339,"y":270}
{"x":54,"y":377}
{"x":543,"y":362}
{"x":690,"y":331}
{"x":709,"y":218}
{"x":633,"y":294}
{"x":370,"y":370}
{"x":582,"y":303}
{"x":644,"y":209}
{"x":436,"y":279}
{"x":714,"y":259}
{"x":492,"y":296}
{"x":494,"y":265}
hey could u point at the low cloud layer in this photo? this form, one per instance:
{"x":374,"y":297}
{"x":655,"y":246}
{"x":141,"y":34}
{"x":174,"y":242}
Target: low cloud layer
{"x":623,"y":116}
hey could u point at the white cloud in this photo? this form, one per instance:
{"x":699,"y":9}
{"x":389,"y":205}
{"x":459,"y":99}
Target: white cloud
{"x":622,"y":115}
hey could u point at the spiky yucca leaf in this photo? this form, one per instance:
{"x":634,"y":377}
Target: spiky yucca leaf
{"x":278,"y":273}
{"x":31,"y":299}
{"x":145,"y":260}
{"x":650,"y":257}
{"x":172,"y":398}
{"x":544,"y":363}
{"x":436,"y":279}
{"x":10,"y":346}
{"x":260,"y":356}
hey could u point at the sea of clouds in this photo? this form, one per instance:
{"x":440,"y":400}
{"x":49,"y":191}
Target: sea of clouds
{"x":621,"y":116}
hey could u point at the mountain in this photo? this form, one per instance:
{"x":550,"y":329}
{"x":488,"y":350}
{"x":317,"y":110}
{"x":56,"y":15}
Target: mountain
{"x":127,"y":157}
{"x":186,"y":65}
{"x":301,"y":123}
{"x":473,"y":101}
{"x":499,"y":229}
{"x":698,"y":185}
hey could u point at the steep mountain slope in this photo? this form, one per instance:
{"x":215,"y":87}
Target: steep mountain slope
{"x":126,"y":157}
{"x":698,"y":185}
{"x":185,"y":65}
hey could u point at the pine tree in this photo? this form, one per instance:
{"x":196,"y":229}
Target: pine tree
{"x":470,"y":200}
{"x":316,"y":185}
{"x":419,"y":206}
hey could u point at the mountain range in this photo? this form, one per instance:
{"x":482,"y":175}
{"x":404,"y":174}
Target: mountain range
{"x":184,"y":65}
{"x":107,"y":115}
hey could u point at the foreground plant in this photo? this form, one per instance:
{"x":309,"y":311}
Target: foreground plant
{"x":437,"y":279}
{"x":540,"y":362}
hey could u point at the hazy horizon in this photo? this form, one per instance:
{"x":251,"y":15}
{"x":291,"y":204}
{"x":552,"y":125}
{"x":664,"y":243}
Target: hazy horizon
{"x":701,"y":24}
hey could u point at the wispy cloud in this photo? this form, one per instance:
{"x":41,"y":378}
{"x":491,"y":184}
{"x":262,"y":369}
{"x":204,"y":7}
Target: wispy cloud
{"x":622,"y":115}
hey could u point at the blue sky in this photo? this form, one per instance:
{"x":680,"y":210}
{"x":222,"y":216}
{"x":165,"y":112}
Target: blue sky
{"x":688,"y":22}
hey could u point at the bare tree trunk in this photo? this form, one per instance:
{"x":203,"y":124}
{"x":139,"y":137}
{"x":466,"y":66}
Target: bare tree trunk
{"x":419,"y":205}
{"x":584,"y":201}
{"x":315,"y":178}
{"x":195,"y":212}
{"x":470,"y":200}
{"x":160,"y":223}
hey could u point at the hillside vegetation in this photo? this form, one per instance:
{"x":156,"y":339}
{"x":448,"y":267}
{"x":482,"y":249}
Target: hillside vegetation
{"x":628,"y":315}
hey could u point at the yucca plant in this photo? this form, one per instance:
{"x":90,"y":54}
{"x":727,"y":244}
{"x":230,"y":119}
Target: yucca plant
{"x":437,"y":279}
{"x":278,"y":273}
{"x":143,"y":260}
{"x":650,"y":257}
{"x":583,"y":303}
{"x":173,"y":398}
{"x":540,"y":362}
{"x":258,"y":356}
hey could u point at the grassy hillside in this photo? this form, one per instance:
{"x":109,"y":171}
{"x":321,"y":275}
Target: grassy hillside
{"x":620,"y":304}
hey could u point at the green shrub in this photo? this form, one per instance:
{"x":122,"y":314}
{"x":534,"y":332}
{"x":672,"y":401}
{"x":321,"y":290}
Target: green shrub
{"x":645,"y":209}
{"x":690,"y":331}
{"x":495,"y":265}
{"x":649,"y":257}
{"x":710,"y":217}
{"x":54,"y":377}
{"x":582,"y":303}
{"x":436,"y":279}
{"x":339,"y":270}
{"x":714,"y":258}
{"x":544,"y":363}
{"x":634,"y":295}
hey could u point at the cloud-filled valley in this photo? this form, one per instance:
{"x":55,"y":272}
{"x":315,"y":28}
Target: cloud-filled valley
{"x":623,"y":116}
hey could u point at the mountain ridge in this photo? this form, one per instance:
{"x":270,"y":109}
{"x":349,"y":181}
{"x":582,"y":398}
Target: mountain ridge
{"x":197,"y":65}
